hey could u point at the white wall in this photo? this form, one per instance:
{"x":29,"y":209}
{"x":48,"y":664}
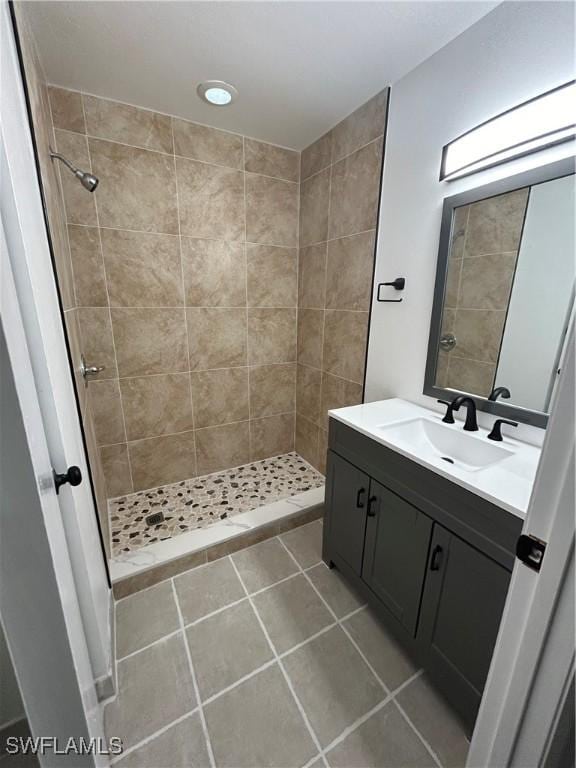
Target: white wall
{"x":11,"y":706}
{"x":541,"y":297}
{"x":514,"y":53}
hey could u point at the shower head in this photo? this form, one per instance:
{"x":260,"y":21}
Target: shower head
{"x":87,"y":179}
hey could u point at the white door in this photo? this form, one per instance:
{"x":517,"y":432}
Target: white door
{"x":28,"y":252}
{"x":38,"y":604}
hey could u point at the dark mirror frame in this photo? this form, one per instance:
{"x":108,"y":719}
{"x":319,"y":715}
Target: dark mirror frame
{"x":544,"y":173}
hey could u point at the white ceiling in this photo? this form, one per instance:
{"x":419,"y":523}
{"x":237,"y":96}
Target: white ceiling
{"x":299,"y":67}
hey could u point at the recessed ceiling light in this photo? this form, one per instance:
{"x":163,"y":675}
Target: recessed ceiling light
{"x":217,"y":92}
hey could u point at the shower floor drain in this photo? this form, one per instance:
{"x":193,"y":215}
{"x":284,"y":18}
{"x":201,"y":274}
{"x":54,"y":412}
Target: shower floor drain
{"x":155,"y":519}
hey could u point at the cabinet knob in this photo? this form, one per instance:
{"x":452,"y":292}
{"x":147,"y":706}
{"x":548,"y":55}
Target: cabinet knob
{"x":436,"y":559}
{"x":371,"y":502}
{"x":360,"y":498}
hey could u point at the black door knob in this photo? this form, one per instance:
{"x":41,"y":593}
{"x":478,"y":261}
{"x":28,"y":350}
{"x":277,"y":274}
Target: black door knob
{"x":72,"y":476}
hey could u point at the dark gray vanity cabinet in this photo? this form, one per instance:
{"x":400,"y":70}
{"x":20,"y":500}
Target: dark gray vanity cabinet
{"x":433,"y":559}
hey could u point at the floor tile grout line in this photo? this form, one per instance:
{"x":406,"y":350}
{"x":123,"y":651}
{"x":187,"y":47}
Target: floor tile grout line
{"x":194,"y":680}
{"x":149,"y":645}
{"x":297,"y":701}
{"x":432,"y":753}
{"x":215,"y":696}
{"x":153,"y":736}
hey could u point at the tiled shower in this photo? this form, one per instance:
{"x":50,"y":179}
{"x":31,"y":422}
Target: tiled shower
{"x":223,"y":284}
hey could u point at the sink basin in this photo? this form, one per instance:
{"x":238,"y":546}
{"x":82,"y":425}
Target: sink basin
{"x":435,"y":441}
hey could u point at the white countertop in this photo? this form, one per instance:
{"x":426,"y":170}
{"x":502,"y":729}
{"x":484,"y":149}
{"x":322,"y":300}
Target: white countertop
{"x":507,"y":484}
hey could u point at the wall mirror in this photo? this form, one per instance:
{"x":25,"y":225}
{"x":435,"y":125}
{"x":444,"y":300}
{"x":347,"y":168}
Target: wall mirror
{"x":504,"y":293}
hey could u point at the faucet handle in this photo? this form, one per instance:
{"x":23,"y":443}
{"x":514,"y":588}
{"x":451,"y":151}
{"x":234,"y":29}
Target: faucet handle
{"x":448,"y":416}
{"x":496,"y":433}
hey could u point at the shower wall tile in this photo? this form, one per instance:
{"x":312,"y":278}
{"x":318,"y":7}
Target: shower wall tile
{"x":271,"y":160}
{"x":72,"y":321}
{"x":272,"y":389}
{"x":116,"y":470}
{"x":271,"y":436}
{"x":124,"y":123}
{"x":312,"y":276}
{"x":79,"y":203}
{"x":272,"y":276}
{"x":349,"y":271}
{"x":211,"y":200}
{"x":217,"y":338}
{"x":210,"y":145}
{"x":310,"y":335}
{"x":314,"y":202}
{"x":220,"y":397}
{"x":271,"y":336}
{"x":361,"y":127}
{"x":157,"y":405}
{"x":495,"y":224}
{"x":66,"y":108}
{"x":214,"y":273}
{"x":162,"y":460}
{"x":316,"y":157}
{"x":106,"y":409}
{"x":97,"y":340}
{"x":355,"y":191}
{"x":87,"y":266}
{"x":486,"y":281}
{"x":345,"y":337}
{"x":307,"y":435}
{"x":222,"y":447}
{"x":471,"y":376}
{"x":137,"y":188}
{"x":322,"y":453}
{"x":142,"y":269}
{"x":271,"y":211}
{"x":479,"y":332}
{"x":308,"y":383}
{"x":150,"y":341}
{"x":337,"y":393}
{"x":93,"y":455}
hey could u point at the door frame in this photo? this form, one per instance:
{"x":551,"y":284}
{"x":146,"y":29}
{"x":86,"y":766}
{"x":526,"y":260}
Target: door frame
{"x":533,"y":663}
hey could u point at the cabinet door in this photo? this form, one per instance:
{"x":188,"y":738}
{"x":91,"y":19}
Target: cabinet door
{"x":461,"y":610}
{"x":397,"y":539}
{"x":347,"y":498}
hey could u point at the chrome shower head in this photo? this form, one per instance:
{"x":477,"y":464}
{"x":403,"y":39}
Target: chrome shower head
{"x":87,"y":179}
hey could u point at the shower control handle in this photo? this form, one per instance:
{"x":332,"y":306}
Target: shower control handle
{"x":90,"y":370}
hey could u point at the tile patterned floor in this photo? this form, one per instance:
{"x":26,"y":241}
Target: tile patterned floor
{"x":267,"y":659}
{"x":201,"y":501}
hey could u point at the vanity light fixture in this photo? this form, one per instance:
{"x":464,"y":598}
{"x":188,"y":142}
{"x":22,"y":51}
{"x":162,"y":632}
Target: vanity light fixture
{"x":217,"y":92}
{"x":536,"y":124}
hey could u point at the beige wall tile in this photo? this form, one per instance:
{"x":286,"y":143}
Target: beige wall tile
{"x":310,"y":333}
{"x":157,"y":405}
{"x":142,"y":269}
{"x":271,"y":211}
{"x":354,"y":192}
{"x":272,"y":276}
{"x":271,"y":160}
{"x":162,"y":460}
{"x":97,"y":342}
{"x":452,"y":283}
{"x":448,"y":320}
{"x":470,"y":376}
{"x":307,"y":435}
{"x":93,"y":455}
{"x":116,"y":470}
{"x":210,"y":145}
{"x":217,"y":338}
{"x":137,"y":188}
{"x":66,"y":108}
{"x":72,"y":321}
{"x":495,"y":224}
{"x":442,"y":364}
{"x":349,"y":271}
{"x":316,"y":157}
{"x":114,"y":121}
{"x":272,"y":436}
{"x":337,"y":393}
{"x":486,"y":281}
{"x":272,"y":389}
{"x":214,"y":273}
{"x":312,"y":276}
{"x":87,"y":266}
{"x":220,"y":397}
{"x":150,"y":341}
{"x":308,"y":393}
{"x":211,"y":200}
{"x":459,"y":231}
{"x":79,"y":203}
{"x":314,"y":201}
{"x":271,"y":336}
{"x":221,"y":447}
{"x":106,"y":410}
{"x":479,"y":333}
{"x":345,"y":344}
{"x":322,"y":451}
{"x":362,"y":126}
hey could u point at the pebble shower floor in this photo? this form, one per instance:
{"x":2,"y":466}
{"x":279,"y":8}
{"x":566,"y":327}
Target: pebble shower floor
{"x":202,"y":501}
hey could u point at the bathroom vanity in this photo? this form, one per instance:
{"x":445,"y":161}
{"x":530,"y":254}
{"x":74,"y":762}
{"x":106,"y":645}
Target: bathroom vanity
{"x":423,"y":518}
